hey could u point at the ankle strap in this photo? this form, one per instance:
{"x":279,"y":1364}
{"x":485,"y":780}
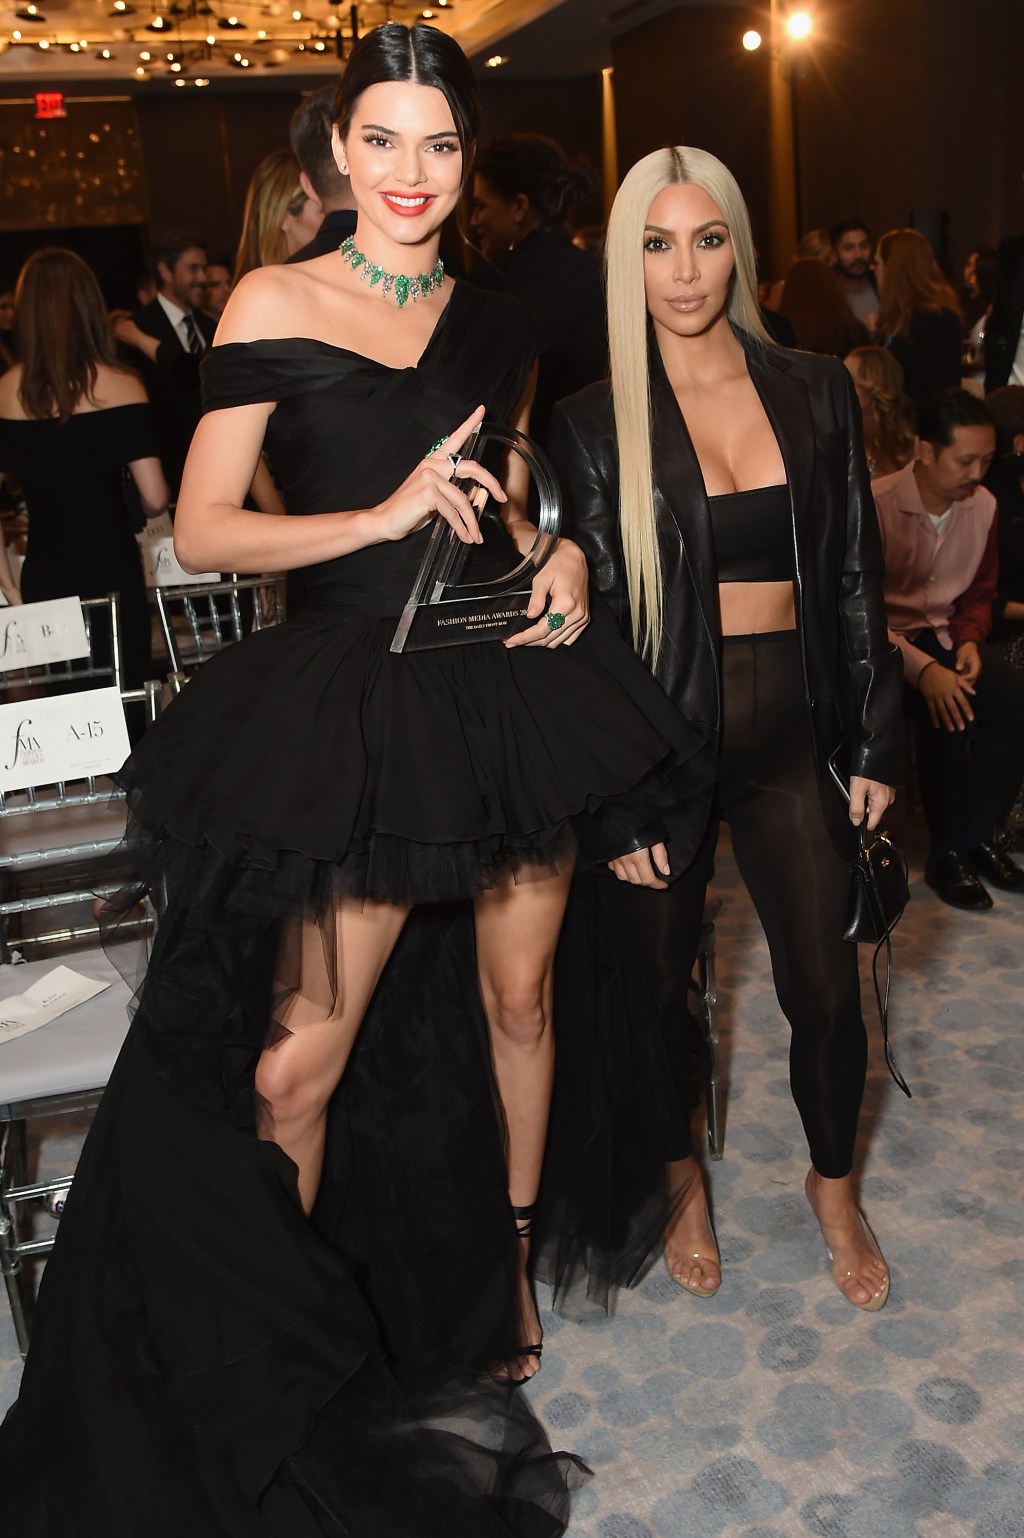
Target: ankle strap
{"x":524,"y":1219}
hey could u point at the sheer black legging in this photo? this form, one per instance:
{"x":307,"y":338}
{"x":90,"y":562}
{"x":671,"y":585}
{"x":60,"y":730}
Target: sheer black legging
{"x":768,"y":793}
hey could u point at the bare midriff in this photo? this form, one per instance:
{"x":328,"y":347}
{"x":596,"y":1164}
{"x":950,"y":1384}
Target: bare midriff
{"x":754,"y":608}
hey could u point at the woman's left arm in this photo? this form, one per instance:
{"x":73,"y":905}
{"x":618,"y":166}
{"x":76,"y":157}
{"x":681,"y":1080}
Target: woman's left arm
{"x":873,"y":665}
{"x":561,"y":589}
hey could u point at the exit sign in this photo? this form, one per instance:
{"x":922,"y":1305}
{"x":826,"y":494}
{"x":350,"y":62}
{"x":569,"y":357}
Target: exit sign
{"x":50,"y":104}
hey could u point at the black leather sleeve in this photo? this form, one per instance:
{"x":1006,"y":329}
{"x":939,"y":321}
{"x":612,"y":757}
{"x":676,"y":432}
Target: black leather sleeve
{"x":874,"y":667}
{"x":582,"y":449}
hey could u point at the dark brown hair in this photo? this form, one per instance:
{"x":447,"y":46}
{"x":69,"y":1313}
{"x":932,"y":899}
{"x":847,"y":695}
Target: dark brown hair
{"x":538,"y":167}
{"x":813,"y":301}
{"x":422,"y":56}
{"x":310,"y":135}
{"x":63,"y":333}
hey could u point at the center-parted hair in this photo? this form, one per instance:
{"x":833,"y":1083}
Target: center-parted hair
{"x":422,"y":56}
{"x":628,"y":353}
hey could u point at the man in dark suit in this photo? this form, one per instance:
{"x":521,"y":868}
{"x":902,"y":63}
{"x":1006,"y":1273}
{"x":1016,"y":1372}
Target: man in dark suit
{"x":319,"y":177}
{"x":169,"y":336}
{"x":1004,"y":329}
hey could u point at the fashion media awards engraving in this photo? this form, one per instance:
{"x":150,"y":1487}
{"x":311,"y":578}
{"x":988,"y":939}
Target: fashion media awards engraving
{"x":442,"y":610}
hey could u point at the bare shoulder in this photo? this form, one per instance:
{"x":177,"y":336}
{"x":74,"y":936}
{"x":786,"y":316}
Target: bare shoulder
{"x":119,"y":387}
{"x":10,"y":383}
{"x":267,"y":302}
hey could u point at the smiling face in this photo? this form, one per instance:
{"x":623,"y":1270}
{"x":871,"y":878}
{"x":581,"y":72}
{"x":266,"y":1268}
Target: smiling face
{"x":688,"y":261}
{"x":404,"y":161}
{"x":185,"y":283}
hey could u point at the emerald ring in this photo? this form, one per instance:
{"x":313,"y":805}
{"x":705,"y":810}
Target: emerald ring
{"x":555,"y":620}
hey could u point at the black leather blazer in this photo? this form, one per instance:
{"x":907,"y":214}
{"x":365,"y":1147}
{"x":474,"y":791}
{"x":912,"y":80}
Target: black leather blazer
{"x":852,"y":673}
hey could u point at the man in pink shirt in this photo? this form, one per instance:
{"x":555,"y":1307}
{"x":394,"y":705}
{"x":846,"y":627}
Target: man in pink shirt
{"x":938,"y":526}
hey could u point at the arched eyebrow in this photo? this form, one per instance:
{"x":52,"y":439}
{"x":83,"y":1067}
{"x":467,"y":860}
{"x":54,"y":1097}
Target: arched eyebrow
{"x":698,"y":229}
{"x":394,"y":133}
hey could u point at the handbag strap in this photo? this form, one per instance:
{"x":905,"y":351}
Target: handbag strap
{"x":882,"y":1001}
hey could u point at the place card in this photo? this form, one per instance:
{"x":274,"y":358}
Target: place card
{"x":63,"y":737}
{"x":161,"y":565}
{"x":52,"y":996}
{"x":35,"y":633}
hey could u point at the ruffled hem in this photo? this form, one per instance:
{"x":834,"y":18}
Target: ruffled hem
{"x":422,"y":779}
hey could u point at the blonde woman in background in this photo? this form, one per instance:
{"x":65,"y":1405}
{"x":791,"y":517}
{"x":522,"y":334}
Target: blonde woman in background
{"x":889,"y":436}
{"x":279,"y":218}
{"x":719,"y":490}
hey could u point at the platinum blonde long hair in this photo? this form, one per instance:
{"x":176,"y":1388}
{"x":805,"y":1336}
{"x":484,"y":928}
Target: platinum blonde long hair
{"x":627,"y":346}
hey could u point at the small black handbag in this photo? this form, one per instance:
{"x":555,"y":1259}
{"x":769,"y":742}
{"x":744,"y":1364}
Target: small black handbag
{"x":879,"y":892}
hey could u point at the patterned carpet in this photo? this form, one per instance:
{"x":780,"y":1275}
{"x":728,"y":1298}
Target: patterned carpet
{"x":775,"y":1410}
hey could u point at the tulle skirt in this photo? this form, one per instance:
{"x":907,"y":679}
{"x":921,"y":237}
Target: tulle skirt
{"x":207,"y":1360}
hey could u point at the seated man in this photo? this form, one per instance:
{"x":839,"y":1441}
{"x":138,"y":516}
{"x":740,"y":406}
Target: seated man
{"x":938,"y":526}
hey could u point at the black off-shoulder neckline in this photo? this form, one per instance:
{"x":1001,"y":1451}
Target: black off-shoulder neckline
{"x":440,"y":327}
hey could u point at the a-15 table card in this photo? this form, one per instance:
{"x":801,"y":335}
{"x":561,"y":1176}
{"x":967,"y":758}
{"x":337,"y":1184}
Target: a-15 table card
{"x":63,"y":737}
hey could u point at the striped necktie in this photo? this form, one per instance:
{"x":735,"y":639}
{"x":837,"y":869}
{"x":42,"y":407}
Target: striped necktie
{"x":195,"y":341}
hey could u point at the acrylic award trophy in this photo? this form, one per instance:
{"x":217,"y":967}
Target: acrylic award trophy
{"x":442,"y":610}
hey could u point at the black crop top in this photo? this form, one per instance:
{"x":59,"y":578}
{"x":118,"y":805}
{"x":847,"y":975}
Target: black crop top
{"x":753,"y":535}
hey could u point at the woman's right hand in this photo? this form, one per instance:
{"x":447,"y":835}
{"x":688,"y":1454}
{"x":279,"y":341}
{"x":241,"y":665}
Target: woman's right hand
{"x":641,"y":868}
{"x":429,"y":491}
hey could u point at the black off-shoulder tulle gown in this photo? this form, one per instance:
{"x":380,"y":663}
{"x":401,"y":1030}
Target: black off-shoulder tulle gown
{"x":205,"y":1361}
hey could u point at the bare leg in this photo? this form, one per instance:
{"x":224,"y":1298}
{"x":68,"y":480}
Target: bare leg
{"x":517,"y":931}
{"x":691,"y":1252}
{"x":296,"y":1077}
{"x":859,"y":1271}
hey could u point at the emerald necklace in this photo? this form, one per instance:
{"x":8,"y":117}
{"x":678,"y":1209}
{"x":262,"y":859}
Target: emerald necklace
{"x":404,"y":287}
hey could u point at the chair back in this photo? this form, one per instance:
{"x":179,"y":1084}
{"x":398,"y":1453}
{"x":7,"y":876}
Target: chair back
{"x":200,"y":620}
{"x":103,"y":665}
{"x":57,"y":837}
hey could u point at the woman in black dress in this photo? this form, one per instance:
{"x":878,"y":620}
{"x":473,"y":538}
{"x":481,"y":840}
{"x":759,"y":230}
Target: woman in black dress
{"x":77,"y":433}
{"x":279,"y":1304}
{"x":720,"y":491}
{"x":918,"y":315}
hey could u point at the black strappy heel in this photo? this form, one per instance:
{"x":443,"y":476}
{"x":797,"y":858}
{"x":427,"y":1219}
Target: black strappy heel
{"x":524,"y":1227}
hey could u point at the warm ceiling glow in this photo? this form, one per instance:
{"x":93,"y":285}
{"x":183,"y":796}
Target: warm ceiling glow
{"x":798,"y":25}
{"x":751,"y":41}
